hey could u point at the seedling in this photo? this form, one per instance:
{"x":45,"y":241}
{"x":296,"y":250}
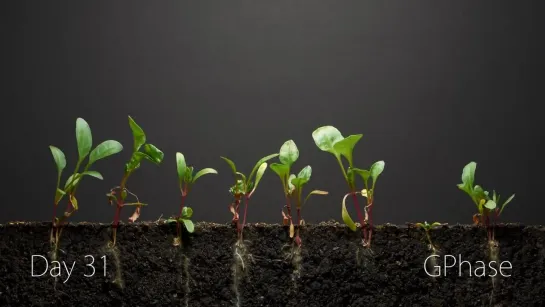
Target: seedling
{"x":186,"y":179}
{"x":488,"y":207}
{"x":118,"y":195}
{"x":330,"y":139}
{"x":427,"y":227}
{"x":293,"y":185}
{"x":244,"y":188}
{"x":84,"y":140}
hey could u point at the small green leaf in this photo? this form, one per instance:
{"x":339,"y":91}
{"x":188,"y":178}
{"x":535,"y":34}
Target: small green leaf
{"x":134,"y":162}
{"x":468,"y":177}
{"x":189,"y":225}
{"x":506,"y":202}
{"x":289,"y":153}
{"x":345,"y":146}
{"x":74,"y":202}
{"x":435,"y":224}
{"x":231,"y":164}
{"x":189,"y":174}
{"x":92,"y":174}
{"x":346,"y":217}
{"x":478,"y":194}
{"x":181,"y":166}
{"x":187,"y":213}
{"x":138,"y":134}
{"x":281,"y":170}
{"x":171,"y":220}
{"x":325,"y":138}
{"x":155,"y":153}
{"x":84,"y":138}
{"x":105,"y":149}
{"x":58,"y":196}
{"x":71,"y":181}
{"x":60,"y":159}
{"x":376,"y":169}
{"x":261,"y":170}
{"x":299,"y":182}
{"x":315,"y":192}
{"x":490,"y":205}
{"x":291,"y":187}
{"x":305,"y":173}
{"x":259,"y":165}
{"x":365,"y":175}
{"x":203,"y":172}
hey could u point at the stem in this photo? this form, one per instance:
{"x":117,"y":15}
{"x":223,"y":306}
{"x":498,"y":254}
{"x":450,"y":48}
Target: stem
{"x":246,"y":198}
{"x":297,"y":238}
{"x":178,"y":226}
{"x":370,"y":222}
{"x":360,"y":217}
{"x":288,"y":206}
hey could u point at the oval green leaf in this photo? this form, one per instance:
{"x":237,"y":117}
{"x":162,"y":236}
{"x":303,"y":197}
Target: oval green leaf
{"x":345,"y":146}
{"x":325,"y":138}
{"x":290,"y":184}
{"x":203,"y":172}
{"x":187,"y":213}
{"x":365,"y":174}
{"x":305,"y":173}
{"x":59,"y":157}
{"x":259,"y":164}
{"x":490,"y":205}
{"x":261,"y":170}
{"x":346,"y":217}
{"x":281,"y":170}
{"x":92,"y":174}
{"x":105,"y":149}
{"x":468,"y":177}
{"x":138,"y":134}
{"x":189,"y":225}
{"x":289,"y":153}
{"x":84,"y":138}
{"x":181,"y":166}
{"x":299,"y":182}
{"x":155,"y":153}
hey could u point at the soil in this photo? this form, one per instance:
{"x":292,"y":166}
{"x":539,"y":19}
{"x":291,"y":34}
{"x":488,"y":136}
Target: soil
{"x":334,"y":270}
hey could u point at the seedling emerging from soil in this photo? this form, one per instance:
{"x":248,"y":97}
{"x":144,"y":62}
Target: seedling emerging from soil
{"x":330,"y":139}
{"x":427,"y":227}
{"x":84,"y":140}
{"x":244,"y":188}
{"x":186,"y":179}
{"x":118,"y":194}
{"x":293,"y":185}
{"x":487,"y":206}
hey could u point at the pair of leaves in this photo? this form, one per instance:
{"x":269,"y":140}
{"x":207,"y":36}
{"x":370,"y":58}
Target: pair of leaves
{"x":288,"y":154}
{"x":373,"y":173}
{"x":187,"y":213}
{"x":149,"y":151}
{"x":243,"y":184}
{"x":185,"y":173}
{"x":330,"y":139}
{"x":426,"y":226}
{"x":479,"y":196}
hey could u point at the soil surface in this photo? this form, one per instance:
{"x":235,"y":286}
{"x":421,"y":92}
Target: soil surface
{"x":334,"y":270}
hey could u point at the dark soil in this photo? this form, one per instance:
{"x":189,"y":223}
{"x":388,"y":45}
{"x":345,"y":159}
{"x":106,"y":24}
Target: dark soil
{"x":334,"y":270}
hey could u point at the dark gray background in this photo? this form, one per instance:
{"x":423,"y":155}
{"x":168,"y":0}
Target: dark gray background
{"x":431,"y":85}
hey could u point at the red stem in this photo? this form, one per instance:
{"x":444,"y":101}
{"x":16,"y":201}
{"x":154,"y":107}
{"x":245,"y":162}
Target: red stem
{"x":246,"y":198}
{"x":362,"y":221}
{"x":297,"y":238}
{"x":288,"y":206}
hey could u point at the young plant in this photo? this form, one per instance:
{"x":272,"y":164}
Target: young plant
{"x":330,"y":139}
{"x":244,"y":188}
{"x":487,"y":206}
{"x":118,"y":195}
{"x":186,"y":179}
{"x":84,"y":140}
{"x":292,"y":185}
{"x":427,"y":227}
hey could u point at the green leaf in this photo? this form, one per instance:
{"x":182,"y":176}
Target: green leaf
{"x":291,"y":187}
{"x":435,"y":224}
{"x":345,"y":146}
{"x":71,"y":181}
{"x":261,"y":170}
{"x":281,"y":170}
{"x":92,"y":174}
{"x":376,"y":169}
{"x":305,"y":173}
{"x":315,"y":192}
{"x":59,"y":158}
{"x":241,"y":175}
{"x":289,"y":153}
{"x":365,"y":175}
{"x":155,"y":153}
{"x":189,"y":174}
{"x":259,"y":164}
{"x":346,"y":217}
{"x":134,"y":162}
{"x":506,"y":202}
{"x":299,"y":182}
{"x":187,"y":213}
{"x":74,"y":202}
{"x":84,"y":138}
{"x":138,"y":134}
{"x":325,"y":138}
{"x":478,"y":194}
{"x":231,"y":164}
{"x":203,"y":172}
{"x":181,"y":166}
{"x":58,"y":196}
{"x":468,"y":177}
{"x":105,"y":149}
{"x":189,"y":225}
{"x":490,"y":205}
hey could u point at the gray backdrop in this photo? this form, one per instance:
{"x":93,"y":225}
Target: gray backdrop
{"x":431,"y":86}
